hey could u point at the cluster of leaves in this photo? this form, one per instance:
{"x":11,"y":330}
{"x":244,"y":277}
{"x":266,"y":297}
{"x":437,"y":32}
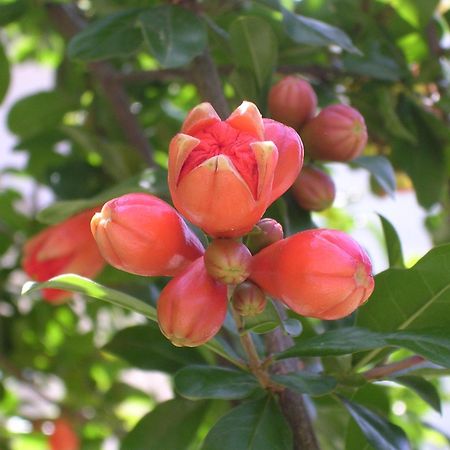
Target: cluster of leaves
{"x":153,"y":58}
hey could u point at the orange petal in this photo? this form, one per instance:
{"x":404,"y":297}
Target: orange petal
{"x":180,"y":148}
{"x":200,"y":116}
{"x":266,"y":155}
{"x":247,"y":118}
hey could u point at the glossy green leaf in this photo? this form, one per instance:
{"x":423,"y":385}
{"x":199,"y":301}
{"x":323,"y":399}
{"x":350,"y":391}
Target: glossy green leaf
{"x":423,"y":388}
{"x":413,"y":298}
{"x":307,"y":383}
{"x":262,"y":323}
{"x":112,"y":36}
{"x":255,"y":425}
{"x":49,"y":106}
{"x":171,"y":425}
{"x":199,"y":382}
{"x":173,"y":34}
{"x":381,"y":169}
{"x":150,"y":181}
{"x":82,"y":285}
{"x":393,"y":244}
{"x":381,"y":434}
{"x":4,"y":73}
{"x":145,"y":347}
{"x":254,"y":46}
{"x":306,"y":30}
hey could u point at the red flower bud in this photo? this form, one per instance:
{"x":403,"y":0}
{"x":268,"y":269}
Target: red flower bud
{"x":317,"y":273}
{"x":63,"y":436}
{"x":314,"y":189}
{"x":290,"y":155}
{"x":221,"y":173}
{"x":292,"y":101}
{"x":228,"y":261}
{"x":248,"y":299}
{"x":266,"y":232}
{"x":142,"y":234}
{"x":67,"y":247}
{"x":192,"y":307}
{"x":338,"y":133}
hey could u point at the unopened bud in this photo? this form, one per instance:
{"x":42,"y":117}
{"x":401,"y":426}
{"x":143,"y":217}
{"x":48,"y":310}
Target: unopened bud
{"x":265,"y":232}
{"x":248,"y":299}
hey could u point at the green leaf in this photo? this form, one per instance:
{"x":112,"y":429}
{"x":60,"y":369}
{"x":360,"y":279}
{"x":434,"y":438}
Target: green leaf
{"x":173,"y":34}
{"x":49,"y":107}
{"x":199,"y":382}
{"x":393,"y":244}
{"x":11,"y":11}
{"x":306,"y":30}
{"x":381,"y":169}
{"x":254,"y":46}
{"x":307,"y":383}
{"x":152,"y":181}
{"x":112,"y":36}
{"x":262,"y":323}
{"x":423,"y":388}
{"x":145,"y":347}
{"x":82,"y":285}
{"x":380,"y":433}
{"x":255,"y":425}
{"x":4,"y":72}
{"x":171,"y":425}
{"x":413,"y":298}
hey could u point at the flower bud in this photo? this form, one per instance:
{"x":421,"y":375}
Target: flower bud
{"x":314,"y":189}
{"x":63,"y":248}
{"x":248,"y":299}
{"x":266,"y":232}
{"x":192,"y":307}
{"x":292,"y":101}
{"x":221,"y":172}
{"x":317,"y":273}
{"x":290,"y":155}
{"x":337,"y":133}
{"x":63,"y":436}
{"x":141,"y":234}
{"x":228,"y":261}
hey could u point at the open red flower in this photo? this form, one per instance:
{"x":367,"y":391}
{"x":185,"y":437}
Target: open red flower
{"x":63,"y":248}
{"x":221,"y":172}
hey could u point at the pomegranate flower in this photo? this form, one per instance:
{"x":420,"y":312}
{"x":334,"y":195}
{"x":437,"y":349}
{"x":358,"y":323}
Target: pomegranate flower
{"x":221,"y":172}
{"x":62,"y":248}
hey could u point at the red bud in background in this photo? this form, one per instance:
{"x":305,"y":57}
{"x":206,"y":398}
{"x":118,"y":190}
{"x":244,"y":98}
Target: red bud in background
{"x":317,"y":273}
{"x":292,"y":101}
{"x":290,"y":155}
{"x":248,"y":299}
{"x":228,"y":261}
{"x":221,"y":172}
{"x":141,"y":234}
{"x":63,"y":436}
{"x":314,"y":189}
{"x":192,"y":307}
{"x":67,"y":247}
{"x":337,"y":133}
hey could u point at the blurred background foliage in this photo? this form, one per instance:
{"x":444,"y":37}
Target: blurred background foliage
{"x":126,"y":73}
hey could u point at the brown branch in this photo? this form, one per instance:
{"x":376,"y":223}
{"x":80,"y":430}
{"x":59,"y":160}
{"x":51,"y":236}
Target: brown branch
{"x":68,"y":20}
{"x":292,"y":403}
{"x":389,"y":369}
{"x":206,"y":77}
{"x":148,"y":76}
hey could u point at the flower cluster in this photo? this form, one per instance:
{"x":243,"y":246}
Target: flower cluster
{"x":222,"y":177}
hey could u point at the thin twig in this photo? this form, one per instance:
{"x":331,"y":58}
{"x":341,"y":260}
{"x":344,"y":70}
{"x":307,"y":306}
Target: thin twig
{"x":389,"y":369}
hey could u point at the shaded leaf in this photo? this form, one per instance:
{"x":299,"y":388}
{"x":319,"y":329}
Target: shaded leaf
{"x":4,"y":72}
{"x":173,"y":34}
{"x":145,"y":347}
{"x":383,"y":435}
{"x":307,"y":383}
{"x":255,"y":425}
{"x":11,"y":11}
{"x":381,"y":169}
{"x":171,"y":425}
{"x":393,"y":244}
{"x":198,"y":382}
{"x":423,"y":388}
{"x":112,"y":36}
